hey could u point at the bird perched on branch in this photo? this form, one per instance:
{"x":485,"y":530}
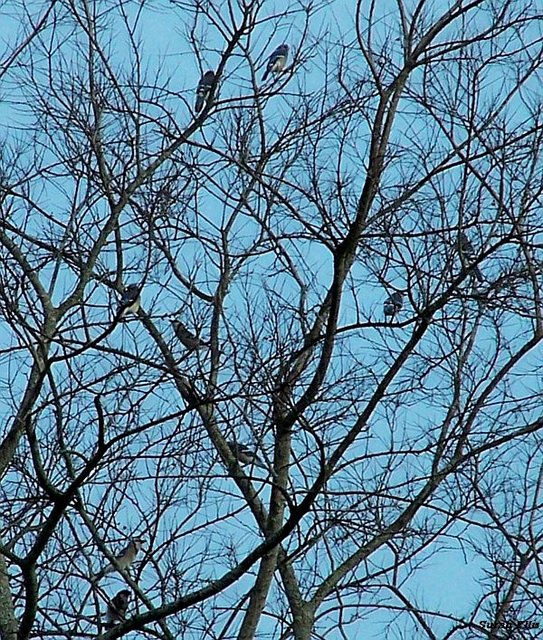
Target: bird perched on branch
{"x":277,"y":61}
{"x":117,"y":608}
{"x":467,"y":253}
{"x":246,"y":455}
{"x":203,"y":89}
{"x":186,"y":338}
{"x":123,"y":561}
{"x":393,"y":304}
{"x":130,"y":300}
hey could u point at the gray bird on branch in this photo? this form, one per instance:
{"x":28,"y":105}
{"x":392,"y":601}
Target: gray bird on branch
{"x":277,"y":61}
{"x":393,"y":304}
{"x":467,"y":253}
{"x":130,"y":300}
{"x":186,"y":338}
{"x":203,"y":89}
{"x":123,"y":561}
{"x":246,"y":455}
{"x":117,"y":608}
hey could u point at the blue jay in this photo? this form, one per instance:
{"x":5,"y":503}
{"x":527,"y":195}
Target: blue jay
{"x":130,"y":300}
{"x":393,"y":304}
{"x":277,"y":61}
{"x":467,"y":253}
{"x":186,"y":338}
{"x":245,"y":455}
{"x":117,"y":608}
{"x":124,"y":560}
{"x":203,"y":89}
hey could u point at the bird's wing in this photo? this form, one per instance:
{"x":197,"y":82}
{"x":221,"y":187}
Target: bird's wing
{"x":125,"y":551}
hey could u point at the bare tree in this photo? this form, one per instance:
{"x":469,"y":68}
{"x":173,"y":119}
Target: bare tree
{"x":296,"y":460}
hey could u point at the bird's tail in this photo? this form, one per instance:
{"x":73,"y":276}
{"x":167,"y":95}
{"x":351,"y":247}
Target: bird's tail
{"x":199,"y":104}
{"x":95,"y":577}
{"x":266,"y":74}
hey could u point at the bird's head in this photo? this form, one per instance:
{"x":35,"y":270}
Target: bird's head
{"x":124,"y":595}
{"x":131,"y":289}
{"x":138,"y":543}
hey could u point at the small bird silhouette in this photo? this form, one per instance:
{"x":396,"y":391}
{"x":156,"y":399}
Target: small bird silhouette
{"x":186,"y":338}
{"x":130,"y":300}
{"x":246,"y":455}
{"x":124,"y":560}
{"x":203,"y":89}
{"x":117,"y":608}
{"x":393,"y":304}
{"x":467,"y":253}
{"x":277,"y":61}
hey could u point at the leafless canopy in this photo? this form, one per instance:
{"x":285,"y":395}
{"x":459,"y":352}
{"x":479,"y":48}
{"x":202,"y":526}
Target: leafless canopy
{"x":399,"y":488}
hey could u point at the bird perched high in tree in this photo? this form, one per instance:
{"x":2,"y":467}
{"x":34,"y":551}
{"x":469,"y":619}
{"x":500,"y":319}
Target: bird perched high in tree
{"x":467,"y":253}
{"x":123,"y":561}
{"x":186,"y":338}
{"x":246,"y":455}
{"x":277,"y":61}
{"x":393,"y":304}
{"x":130,"y":300}
{"x":203,"y":89}
{"x":117,"y":608}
